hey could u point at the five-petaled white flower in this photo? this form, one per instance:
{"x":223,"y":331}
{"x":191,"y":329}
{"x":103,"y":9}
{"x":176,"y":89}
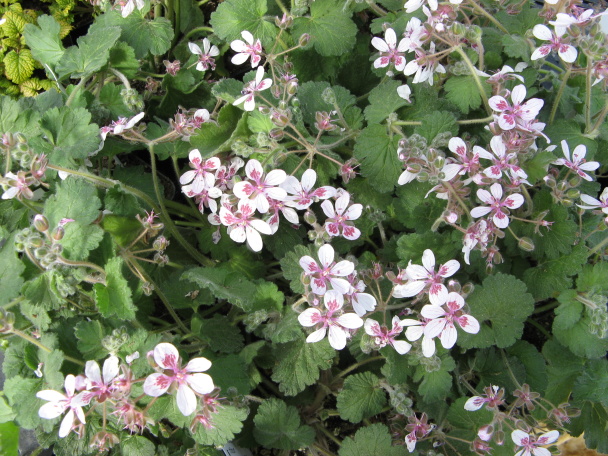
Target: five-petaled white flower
{"x":593,"y":203}
{"x":390,"y":51}
{"x":383,"y":336}
{"x":502,"y":160}
{"x":332,"y":320}
{"x":120,"y":126}
{"x":243,"y":227}
{"x":257,"y":85}
{"x":497,"y":205}
{"x":425,"y":278}
{"x":196,"y":177}
{"x":493,"y":397}
{"x":259,"y":188}
{"x":578,"y":164}
{"x":186,"y":378}
{"x":128,"y":7}
{"x":442,"y":320}
{"x":338,"y":220}
{"x":532,"y":445}
{"x":59,"y":403}
{"x":517,"y":114}
{"x":301,"y":193}
{"x":98,"y":386}
{"x":565,"y":51}
{"x":329,"y":272}
{"x":206,"y":55}
{"x":247,"y":49}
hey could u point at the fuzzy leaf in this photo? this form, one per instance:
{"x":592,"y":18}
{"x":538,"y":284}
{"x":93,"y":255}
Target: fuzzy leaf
{"x":383,"y":100}
{"x":230,"y":372}
{"x":298,"y":364}
{"x":233,"y":16}
{"x":44,"y":40}
{"x":137,"y":446}
{"x":18,"y":66}
{"x":377,"y":152}
{"x":465,"y":424}
{"x":516,"y":46}
{"x":372,"y":440}
{"x":463,"y":92}
{"x":221,"y":336}
{"x":593,"y":383}
{"x":212,"y":138}
{"x":21,"y":394}
{"x":114,"y":299}
{"x":223,"y":283}
{"x":311,"y":96}
{"x":11,"y":269}
{"x":361,"y":397}
{"x":331,"y":31}
{"x":292,"y":271}
{"x":435,"y":385}
{"x":226,"y":423}
{"x":435,"y":123}
{"x":89,"y":335}
{"x":563,"y":368}
{"x":593,"y":421}
{"x":278,"y":425}
{"x":501,"y":305}
{"x":122,"y":57}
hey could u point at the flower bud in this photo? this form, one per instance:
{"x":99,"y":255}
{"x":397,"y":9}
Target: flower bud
{"x":458,"y":29}
{"x":567,"y":202}
{"x":160,"y":243}
{"x":550,"y":181}
{"x":310,"y":217}
{"x":574,"y":181}
{"x":295,"y":102}
{"x":305,"y":279}
{"x":292,"y":87}
{"x":526,"y":244}
{"x":58,"y":233}
{"x":467,"y":289}
{"x":276,"y":134}
{"x":304,"y":39}
{"x":147,"y":288}
{"x":279,"y":158}
{"x":573,"y":193}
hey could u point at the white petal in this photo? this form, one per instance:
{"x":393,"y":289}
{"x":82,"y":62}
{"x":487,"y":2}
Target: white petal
{"x":548,"y":437}
{"x":201,"y":383}
{"x":198,"y":365}
{"x":51,"y":410}
{"x":432,"y":312}
{"x":480,"y":211}
{"x":51,"y":395}
{"x":514,"y":201}
{"x":428,"y":347}
{"x":195,"y":48}
{"x":434,"y":327}
{"x":380,"y":44}
{"x":309,"y":317}
{"x":275,"y":177}
{"x":401,"y":346}
{"x":518,"y":437}
{"x":340,"y":285}
{"x":428,"y":260}
{"x":474,"y":403}
{"x":542,"y":32}
{"x":186,"y":400}
{"x":343,"y":268}
{"x":110,"y":369}
{"x":567,"y":53}
{"x":496,"y":190}
{"x":308,"y":264}
{"x":498,"y":103}
{"x":372,"y":327}
{"x":350,"y":321}
{"x":409,"y":289}
{"x":308,"y":179}
{"x":337,"y":337}
{"x":254,"y":240}
{"x":66,"y":424}
{"x":328,"y":209}
{"x":316,"y":336}
{"x":469,"y":324}
{"x":413,"y":333}
{"x":449,"y":268}
{"x":326,"y":255}
{"x":156,"y":384}
{"x":238,"y":234}
{"x":166,"y":355}
{"x":92,"y":371}
{"x":448,"y":336}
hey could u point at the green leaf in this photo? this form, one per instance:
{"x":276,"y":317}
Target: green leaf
{"x":571,"y":327}
{"x":259,"y":123}
{"x":593,"y":278}
{"x":520,"y":23}
{"x":412,"y":246}
{"x":465,"y":424}
{"x":92,"y":52}
{"x":435,"y":385}
{"x":21,"y":394}
{"x":18,"y":66}
{"x":11,"y":269}
{"x":122,"y":57}
{"x":267,"y":297}
{"x":536,"y":168}
{"x":287,"y":329}
{"x":44,"y":41}
{"x":226,"y":422}
{"x":13,"y":118}
{"x":36,"y":314}
{"x":553,"y":276}
{"x":593,"y":421}
{"x":312,"y":100}
{"x":593,"y":383}
{"x":361,"y":397}
{"x":9,"y":438}
{"x":501,"y":305}
{"x":563,"y":368}
{"x":233,"y":16}
{"x":70,"y":138}
{"x":230,"y":372}
{"x":372,"y":440}
{"x":137,"y":446}
{"x":212,"y":138}
{"x":223,"y":283}
{"x":90,"y":335}
{"x":114,"y":299}
{"x":278,"y":425}
{"x":377,"y":152}
{"x":383,"y":100}
{"x":298,"y":364}
{"x":463,"y":92}
{"x":331,"y":31}
{"x":219,"y":333}
{"x":516,"y":46}
{"x":435,"y":123}
{"x":143,"y":35}
{"x":110,"y":97}
{"x":292,"y":271}
{"x":570,"y":132}
{"x":6,"y":413}
{"x":533,"y":362}
{"x":165,"y":408}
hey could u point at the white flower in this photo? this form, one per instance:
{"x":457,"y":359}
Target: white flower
{"x":243,"y":227}
{"x":332,"y":320}
{"x":247,"y":49}
{"x":257,"y":85}
{"x":98,"y":386}
{"x":301,"y":194}
{"x":329,"y":272}
{"x":497,"y":205}
{"x":531,"y":444}
{"x":188,"y":379}
{"x":129,"y":7}
{"x":390,"y":52}
{"x":338,"y":221}
{"x":206,"y":55}
{"x":262,"y":187}
{"x":59,"y":403}
{"x":517,"y":114}
{"x":383,"y":336}
{"x":566,"y":52}
{"x":593,"y":203}
{"x":578,"y":164}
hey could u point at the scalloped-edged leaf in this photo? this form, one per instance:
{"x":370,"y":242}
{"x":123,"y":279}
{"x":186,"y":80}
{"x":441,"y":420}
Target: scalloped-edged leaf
{"x":377,"y":152}
{"x":372,"y":440}
{"x":383,"y":100}
{"x":18,"y":66}
{"x":463,"y":92}
{"x":278,"y":425}
{"x":233,"y":16}
{"x":361,"y":397}
{"x":225,"y":424}
{"x":44,"y":40}
{"x":114,"y":298}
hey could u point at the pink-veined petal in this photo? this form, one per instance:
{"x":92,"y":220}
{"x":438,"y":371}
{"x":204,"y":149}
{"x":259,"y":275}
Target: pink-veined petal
{"x":438,"y":294}
{"x":343,"y":268}
{"x":372,"y":327}
{"x":166,"y":356}
{"x":474,"y":403}
{"x":498,"y":103}
{"x":363,"y":303}
{"x":409,"y":289}
{"x":449,"y":268}
{"x":519,"y":437}
{"x":469,"y":324}
{"x":157,"y":384}
{"x":198,"y":365}
{"x":448,"y":336}
{"x":548,"y":437}
{"x":92,"y":371}
{"x":350,"y":321}
{"x":309,"y":317}
{"x":186,"y":399}
{"x":540,"y":52}
{"x":352,"y":233}
{"x":514,"y":201}
{"x":500,"y":219}
{"x":567,"y":53}
{"x":309,"y":264}
{"x":201,"y":383}
{"x":337,"y":337}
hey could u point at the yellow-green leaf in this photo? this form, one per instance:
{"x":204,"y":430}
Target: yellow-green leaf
{"x":19,"y":66}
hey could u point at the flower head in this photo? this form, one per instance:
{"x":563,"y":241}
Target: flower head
{"x":518,"y":113}
{"x":382,"y":336}
{"x":58,"y":403}
{"x":531,"y":445}
{"x":257,"y":85}
{"x":242,"y":226}
{"x":565,"y":51}
{"x":205,"y":56}
{"x":390,"y":51}
{"x":338,"y":221}
{"x":497,"y":205}
{"x":577,"y":163}
{"x":247,"y":49}
{"x":329,"y":273}
{"x":260,"y":188}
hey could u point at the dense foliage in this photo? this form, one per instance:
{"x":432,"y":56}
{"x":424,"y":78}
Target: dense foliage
{"x":340,"y":227}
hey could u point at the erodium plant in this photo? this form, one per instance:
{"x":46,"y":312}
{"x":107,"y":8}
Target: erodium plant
{"x":309,"y":227}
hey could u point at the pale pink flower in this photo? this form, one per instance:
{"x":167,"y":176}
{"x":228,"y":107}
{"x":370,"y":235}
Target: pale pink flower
{"x":202,"y":168}
{"x":415,"y":34}
{"x":423,"y":66}
{"x":414,"y":331}
{"x":519,"y":113}
{"x":126,"y":8}
{"x":566,"y":52}
{"x":425,"y":278}
{"x":205,"y":56}
{"x":18,"y":185}
{"x":332,"y":320}
{"x":59,"y":403}
{"x":383,"y":336}
{"x":506,"y":73}
{"x":329,"y":273}
{"x":497,"y":205}
{"x":442,"y":320}
{"x":97,"y":386}
{"x":338,"y":221}
{"x":186,"y":379}
{"x":578,"y":164}
{"x":360,"y":301}
{"x":257,"y":85}
{"x":532,"y":445}
{"x":501,"y":160}
{"x":467,"y":163}
{"x":390,"y":51}
{"x":593,"y":203}
{"x":579,"y":16}
{"x":247,"y":49}
{"x":288,"y":212}
{"x":121,"y":125}
{"x":493,"y":397}
{"x":477,"y":234}
{"x":260,"y":188}
{"x":417,"y":428}
{"x":301,"y":193}
{"x":243,"y":227}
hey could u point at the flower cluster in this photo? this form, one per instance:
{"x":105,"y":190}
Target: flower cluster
{"x":112,"y":386}
{"x":32,"y":168}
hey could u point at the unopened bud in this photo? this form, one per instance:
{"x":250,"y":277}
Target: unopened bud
{"x":526,"y":244}
{"x":292,"y":87}
{"x":160,"y":243}
{"x":58,"y":233}
{"x":573,"y":193}
{"x":295,"y":102}
{"x":41,"y":223}
{"x":567,"y":202}
{"x":147,"y":288}
{"x":550,"y":181}
{"x":279,"y":158}
{"x":305,"y":279}
{"x":310,"y":217}
{"x":467,"y":289}
{"x":458,"y":29}
{"x":574,"y":181}
{"x":304,"y":39}
{"x":276,"y":134}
